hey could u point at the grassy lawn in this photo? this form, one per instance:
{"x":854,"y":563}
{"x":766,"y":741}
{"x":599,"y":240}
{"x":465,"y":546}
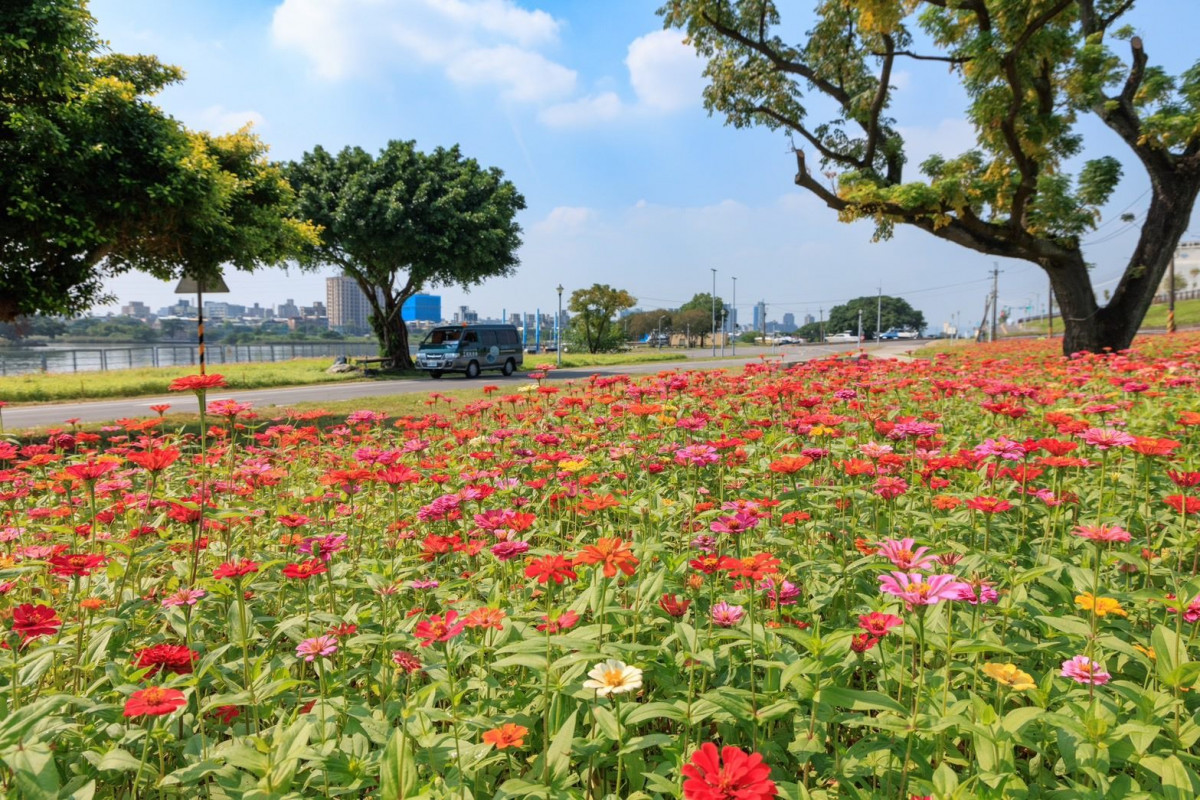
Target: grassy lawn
{"x":576,"y":360}
{"x":52,"y":387}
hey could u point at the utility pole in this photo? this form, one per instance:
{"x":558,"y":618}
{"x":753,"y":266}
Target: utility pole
{"x":733,"y":344}
{"x":860,"y":329}
{"x":995,"y":299}
{"x":714,"y":312}
{"x":879,"y":315}
{"x":821,"y":323}
{"x":1050,"y":306}
{"x":1170,"y":296}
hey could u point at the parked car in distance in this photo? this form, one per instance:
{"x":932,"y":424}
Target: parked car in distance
{"x":891,"y":334}
{"x":909,"y":333}
{"x":844,"y":336}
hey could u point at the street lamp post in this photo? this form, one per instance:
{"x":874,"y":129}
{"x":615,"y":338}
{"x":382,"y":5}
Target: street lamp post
{"x":659,"y":337}
{"x":733,"y":319}
{"x":558,"y":326}
{"x":714,"y":312}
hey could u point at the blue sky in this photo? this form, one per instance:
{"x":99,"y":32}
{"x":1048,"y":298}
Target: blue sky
{"x":594,"y":112}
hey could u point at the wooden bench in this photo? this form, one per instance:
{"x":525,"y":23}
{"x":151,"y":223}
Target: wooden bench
{"x":365,"y":363}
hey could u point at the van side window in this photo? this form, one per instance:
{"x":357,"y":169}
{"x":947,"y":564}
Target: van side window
{"x":470,"y":337}
{"x":488,"y":338}
{"x":509,"y":338}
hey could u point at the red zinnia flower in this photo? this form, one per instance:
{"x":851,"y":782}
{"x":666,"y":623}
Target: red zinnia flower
{"x":989,"y":505}
{"x":155,"y":460}
{"x":32,"y":621}
{"x":1182,"y":503}
{"x":877,"y":624}
{"x":673,"y":605}
{"x":550,"y":568}
{"x":154,"y":701}
{"x":197,"y":383}
{"x":175,"y":658}
{"x":743,"y":776}
{"x":91,"y":470}
{"x":235,"y":569}
{"x":559,"y":622}
{"x":754,"y":567}
{"x":305,"y":569}
{"x":437,"y":629}
{"x":75,"y":564}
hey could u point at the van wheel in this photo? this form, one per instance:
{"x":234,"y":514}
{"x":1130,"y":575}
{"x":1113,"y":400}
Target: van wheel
{"x":509,"y":367}
{"x":473,"y":369}
{"x":435,"y":373}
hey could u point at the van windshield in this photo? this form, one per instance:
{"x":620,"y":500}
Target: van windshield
{"x":439,"y":338}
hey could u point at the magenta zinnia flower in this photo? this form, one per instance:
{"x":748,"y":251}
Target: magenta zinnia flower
{"x":1104,"y":438}
{"x":919,"y":590}
{"x":1082,"y":669}
{"x":324,"y":645}
{"x":726,"y":616}
{"x":903,"y":556}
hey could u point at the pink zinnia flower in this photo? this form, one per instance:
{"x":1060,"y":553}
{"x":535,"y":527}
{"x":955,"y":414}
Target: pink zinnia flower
{"x":323,"y":547}
{"x":1082,"y":669}
{"x":918,"y":590}
{"x":1102,"y":533}
{"x":736,"y":524}
{"x":323,"y":645}
{"x":726,"y":616}
{"x":697,"y":455}
{"x":1105,"y":438}
{"x":903,"y":556}
{"x":183,"y":597}
{"x":505,"y":551}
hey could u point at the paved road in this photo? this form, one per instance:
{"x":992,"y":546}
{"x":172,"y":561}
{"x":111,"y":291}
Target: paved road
{"x":21,"y":417}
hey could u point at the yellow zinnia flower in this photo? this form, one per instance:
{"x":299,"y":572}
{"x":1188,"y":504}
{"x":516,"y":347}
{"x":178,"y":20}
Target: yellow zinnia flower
{"x":1010,"y":676}
{"x":1103,"y":606}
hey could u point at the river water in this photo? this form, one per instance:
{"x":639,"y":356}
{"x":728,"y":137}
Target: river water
{"x":98,"y":357}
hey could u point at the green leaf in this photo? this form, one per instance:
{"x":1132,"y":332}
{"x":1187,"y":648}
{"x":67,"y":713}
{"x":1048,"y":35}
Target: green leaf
{"x":655,"y":710}
{"x":287,"y":747}
{"x":34,"y":771}
{"x":859,"y":700}
{"x":118,"y":761}
{"x":1169,"y":653}
{"x":560,"y":747}
{"x":397,"y":772}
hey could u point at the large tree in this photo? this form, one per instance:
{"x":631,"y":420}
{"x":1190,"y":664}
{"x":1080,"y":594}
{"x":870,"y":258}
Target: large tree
{"x":592,"y":312}
{"x":1030,"y":69}
{"x":407,"y":220}
{"x":97,"y":180}
{"x":894,"y":312}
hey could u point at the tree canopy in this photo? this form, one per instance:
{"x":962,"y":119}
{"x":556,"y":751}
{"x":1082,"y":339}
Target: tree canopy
{"x":404,"y":221}
{"x":592,"y":311}
{"x":97,"y":180}
{"x":1030,"y":71}
{"x":896,"y":313}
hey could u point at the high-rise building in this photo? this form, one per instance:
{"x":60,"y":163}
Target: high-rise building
{"x":346,"y":305}
{"x":809,"y":319}
{"x":789,"y":322}
{"x":760,"y":315}
{"x":288,"y":310}
{"x":422,"y":308}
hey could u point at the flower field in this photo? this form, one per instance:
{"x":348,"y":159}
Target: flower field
{"x":974,"y":576}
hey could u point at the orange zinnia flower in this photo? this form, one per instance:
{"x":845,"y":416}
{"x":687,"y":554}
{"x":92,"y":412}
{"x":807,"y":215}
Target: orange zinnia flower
{"x":614,"y":554}
{"x":507,"y":735}
{"x":485,"y":618}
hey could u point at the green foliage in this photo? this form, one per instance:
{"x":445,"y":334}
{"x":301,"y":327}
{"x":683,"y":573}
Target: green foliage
{"x":592,"y":311}
{"x":97,"y":180}
{"x":896,"y":313}
{"x":407,"y":220}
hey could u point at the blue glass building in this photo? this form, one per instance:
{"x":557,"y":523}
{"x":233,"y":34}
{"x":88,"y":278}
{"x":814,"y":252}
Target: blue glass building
{"x":422,"y":308}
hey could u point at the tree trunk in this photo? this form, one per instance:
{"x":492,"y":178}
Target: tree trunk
{"x":389,"y":327}
{"x":1090,"y":328}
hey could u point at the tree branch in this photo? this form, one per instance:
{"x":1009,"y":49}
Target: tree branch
{"x":920,"y":57}
{"x":881,"y":94}
{"x":779,"y":62}
{"x":830,"y":155}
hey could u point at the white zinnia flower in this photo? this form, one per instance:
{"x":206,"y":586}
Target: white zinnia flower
{"x":613,"y":677}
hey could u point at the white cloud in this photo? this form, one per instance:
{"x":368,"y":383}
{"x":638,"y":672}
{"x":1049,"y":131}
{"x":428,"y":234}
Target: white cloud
{"x":520,"y":74}
{"x":583,"y":112}
{"x":565,"y":220}
{"x":665,"y":74}
{"x":218,"y":120}
{"x":475,"y":42}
